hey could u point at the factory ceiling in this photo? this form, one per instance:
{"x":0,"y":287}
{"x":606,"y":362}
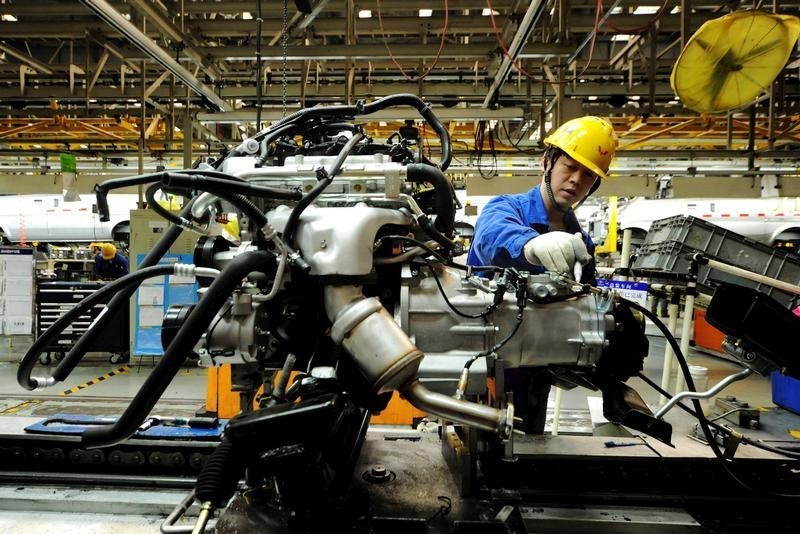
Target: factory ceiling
{"x":101,"y":76}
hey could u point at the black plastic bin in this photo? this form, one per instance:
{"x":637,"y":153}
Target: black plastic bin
{"x":671,"y":242}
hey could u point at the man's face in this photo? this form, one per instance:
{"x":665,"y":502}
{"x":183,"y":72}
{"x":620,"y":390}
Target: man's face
{"x":570,"y":181}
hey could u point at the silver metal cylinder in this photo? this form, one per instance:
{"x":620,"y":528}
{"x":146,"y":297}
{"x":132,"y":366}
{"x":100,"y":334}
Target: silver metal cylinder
{"x":384,"y":353}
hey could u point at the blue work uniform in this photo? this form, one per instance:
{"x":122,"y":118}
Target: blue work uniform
{"x":110,"y":269}
{"x":507,"y":222}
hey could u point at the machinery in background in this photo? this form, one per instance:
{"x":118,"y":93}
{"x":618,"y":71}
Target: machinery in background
{"x":344,"y":272}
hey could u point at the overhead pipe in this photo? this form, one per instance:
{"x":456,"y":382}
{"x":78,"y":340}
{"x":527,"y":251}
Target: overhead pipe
{"x":114,"y":18}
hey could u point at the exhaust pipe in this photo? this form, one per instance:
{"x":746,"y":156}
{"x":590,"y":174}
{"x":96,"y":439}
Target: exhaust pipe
{"x":389,"y":360}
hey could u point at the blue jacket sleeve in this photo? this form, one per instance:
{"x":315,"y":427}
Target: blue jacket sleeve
{"x":500,"y":235}
{"x":122,"y":261}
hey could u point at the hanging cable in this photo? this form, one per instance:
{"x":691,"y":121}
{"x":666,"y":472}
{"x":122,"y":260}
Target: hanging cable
{"x":528,"y":75}
{"x":285,"y":44}
{"x":438,"y":52}
{"x":703,"y":422}
{"x":259,"y":20}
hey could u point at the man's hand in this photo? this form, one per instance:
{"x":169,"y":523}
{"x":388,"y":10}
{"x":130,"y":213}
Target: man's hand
{"x":557,"y":251}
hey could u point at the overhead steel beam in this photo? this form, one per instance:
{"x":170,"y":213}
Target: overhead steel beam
{"x":444,"y":114}
{"x":26,"y":59}
{"x":535,"y":9}
{"x":376,"y":51}
{"x":321,"y":4}
{"x":114,"y":19}
{"x":151,"y":13}
{"x":100,"y":39}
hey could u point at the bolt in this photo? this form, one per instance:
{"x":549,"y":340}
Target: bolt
{"x":379,"y":471}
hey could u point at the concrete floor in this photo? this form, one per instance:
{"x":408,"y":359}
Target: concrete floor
{"x":186,"y":395}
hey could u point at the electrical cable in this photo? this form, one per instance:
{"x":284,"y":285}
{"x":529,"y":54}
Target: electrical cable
{"x":637,"y":29}
{"x":717,"y":426}
{"x":500,"y":344}
{"x":489,"y":309}
{"x":413,"y":241}
{"x":325,"y":179}
{"x":438,"y":52}
{"x":724,"y":462}
{"x":524,"y":72}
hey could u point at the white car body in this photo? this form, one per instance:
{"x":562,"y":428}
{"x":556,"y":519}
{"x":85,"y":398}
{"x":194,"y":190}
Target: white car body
{"x":768,"y":220}
{"x":49,"y":218}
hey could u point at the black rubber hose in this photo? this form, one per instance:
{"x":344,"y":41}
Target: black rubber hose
{"x":294,"y":217}
{"x":186,"y":338}
{"x":220,"y":475}
{"x":444,"y":194}
{"x":101,"y":190}
{"x":407,"y":99}
{"x":425,"y":111}
{"x":245,"y":206}
{"x":272,"y":135}
{"x":213,"y":185}
{"x":48,"y":337}
{"x":152,"y":203}
{"x":122,"y":298}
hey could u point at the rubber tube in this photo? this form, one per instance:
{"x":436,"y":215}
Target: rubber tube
{"x":49,"y":335}
{"x":213,"y":185}
{"x":186,"y":338}
{"x":445,"y":198}
{"x":81,"y":346}
{"x":294,"y":217}
{"x":407,"y":99}
{"x":425,"y":111}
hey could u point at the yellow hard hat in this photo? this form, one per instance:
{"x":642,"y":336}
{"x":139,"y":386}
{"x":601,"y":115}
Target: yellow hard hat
{"x":589,"y":140}
{"x":109,"y":251}
{"x":232,"y":227}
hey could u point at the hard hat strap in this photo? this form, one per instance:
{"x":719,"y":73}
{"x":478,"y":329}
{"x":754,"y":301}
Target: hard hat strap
{"x":551,"y":154}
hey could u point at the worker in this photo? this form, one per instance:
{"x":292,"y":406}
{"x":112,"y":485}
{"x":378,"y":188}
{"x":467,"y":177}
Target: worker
{"x":109,"y":264}
{"x":537,"y":231}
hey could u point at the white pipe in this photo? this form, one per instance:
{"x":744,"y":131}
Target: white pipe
{"x":625,"y":254}
{"x":556,"y":411}
{"x":760,"y":278}
{"x":688,"y":311}
{"x":672,"y":325}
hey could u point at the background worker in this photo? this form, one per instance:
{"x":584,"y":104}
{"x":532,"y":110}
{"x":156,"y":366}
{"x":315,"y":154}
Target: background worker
{"x":109,"y":264}
{"x":537,"y":231}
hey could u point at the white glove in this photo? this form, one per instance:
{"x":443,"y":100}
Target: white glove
{"x":557,"y":251}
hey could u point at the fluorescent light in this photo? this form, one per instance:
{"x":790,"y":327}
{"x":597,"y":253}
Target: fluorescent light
{"x":425,"y":12}
{"x":621,"y":37}
{"x":8,"y":18}
{"x":246,"y":15}
{"x":645,"y":10}
{"x":486,"y":12}
{"x":592,"y":98}
{"x":364,"y":13}
{"x":634,"y":97}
